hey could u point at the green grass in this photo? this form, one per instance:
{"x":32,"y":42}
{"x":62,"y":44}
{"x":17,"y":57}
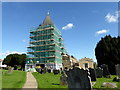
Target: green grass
{"x":14,"y":80}
{"x":48,"y":80}
{"x":0,"y":79}
{"x":100,"y":81}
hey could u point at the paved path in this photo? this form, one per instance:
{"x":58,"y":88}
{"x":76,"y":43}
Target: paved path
{"x":30,"y":81}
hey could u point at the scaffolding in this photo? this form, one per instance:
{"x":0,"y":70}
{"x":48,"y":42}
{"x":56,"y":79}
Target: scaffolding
{"x":46,"y":45}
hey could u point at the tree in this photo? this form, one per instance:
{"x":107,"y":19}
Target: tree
{"x":15,"y":60}
{"x":22,"y":61}
{"x":107,"y":52}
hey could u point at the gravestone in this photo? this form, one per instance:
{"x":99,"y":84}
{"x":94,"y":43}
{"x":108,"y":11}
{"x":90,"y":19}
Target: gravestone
{"x":109,"y":85}
{"x":118,"y":70}
{"x":116,"y":79}
{"x":10,"y":69}
{"x":99,"y":72}
{"x":61,"y":72}
{"x":49,"y":70}
{"x":40,"y":70}
{"x":37,"y":69}
{"x":56,"y":72}
{"x":106,"y":72}
{"x":15,"y":67}
{"x":78,"y":78}
{"x":63,"y":79}
{"x":92,"y":74}
{"x":44,"y":70}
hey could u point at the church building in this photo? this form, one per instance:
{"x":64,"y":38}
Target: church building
{"x":45,"y":46}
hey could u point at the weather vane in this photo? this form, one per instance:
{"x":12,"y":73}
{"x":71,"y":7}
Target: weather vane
{"x":48,"y":13}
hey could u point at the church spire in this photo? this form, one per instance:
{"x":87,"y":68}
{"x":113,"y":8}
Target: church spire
{"x":47,"y":20}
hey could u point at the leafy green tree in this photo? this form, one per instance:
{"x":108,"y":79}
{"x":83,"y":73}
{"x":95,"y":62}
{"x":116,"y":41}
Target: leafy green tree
{"x":107,"y":52}
{"x":23,"y":61}
{"x":15,"y":60}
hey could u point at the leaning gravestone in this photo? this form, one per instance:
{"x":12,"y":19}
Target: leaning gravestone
{"x":78,"y":78}
{"x":118,"y":70}
{"x":116,"y":79}
{"x":99,"y":72}
{"x":92,"y":74}
{"x":63,"y":79}
{"x":106,"y":72}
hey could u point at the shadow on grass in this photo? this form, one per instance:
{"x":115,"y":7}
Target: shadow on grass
{"x":55,"y":84}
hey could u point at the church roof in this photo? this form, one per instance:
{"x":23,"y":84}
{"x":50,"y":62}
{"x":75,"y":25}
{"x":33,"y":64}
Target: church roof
{"x":47,"y":20}
{"x":1,"y":60}
{"x":86,"y":59}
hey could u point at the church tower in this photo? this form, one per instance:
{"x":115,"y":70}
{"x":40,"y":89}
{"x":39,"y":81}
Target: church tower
{"x":46,"y":46}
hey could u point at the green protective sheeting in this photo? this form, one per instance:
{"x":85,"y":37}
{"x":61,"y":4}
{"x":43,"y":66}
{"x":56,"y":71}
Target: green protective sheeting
{"x":46,"y":44}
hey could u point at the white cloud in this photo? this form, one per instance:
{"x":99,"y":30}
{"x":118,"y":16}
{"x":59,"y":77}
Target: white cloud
{"x":9,"y":52}
{"x":24,"y":40}
{"x":103,"y":31}
{"x":68,"y":26}
{"x":112,"y":18}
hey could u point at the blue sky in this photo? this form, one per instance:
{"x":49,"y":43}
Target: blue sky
{"x":82,"y":24}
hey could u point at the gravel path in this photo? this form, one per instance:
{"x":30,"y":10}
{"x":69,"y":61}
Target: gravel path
{"x":30,"y":81}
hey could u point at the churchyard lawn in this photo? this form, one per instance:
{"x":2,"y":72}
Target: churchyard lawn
{"x":100,"y":81}
{"x":48,"y":80}
{"x":14,"y":80}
